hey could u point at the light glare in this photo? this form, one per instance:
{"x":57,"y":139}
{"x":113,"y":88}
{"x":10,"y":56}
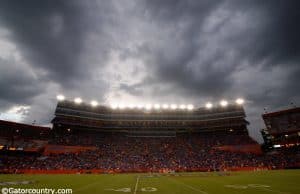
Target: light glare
{"x":114,"y":106}
{"x":182,"y":106}
{"x":78,"y":100}
{"x":94,"y":103}
{"x":121,"y":106}
{"x":239,"y":101}
{"x":140,"y":106}
{"x":131,"y":106}
{"x":190,"y":107}
{"x":148,"y":107}
{"x":157,"y":106}
{"x":208,"y":105}
{"x":223,"y":103}
{"x":173,"y":106}
{"x":165,"y":106}
{"x":60,"y":97}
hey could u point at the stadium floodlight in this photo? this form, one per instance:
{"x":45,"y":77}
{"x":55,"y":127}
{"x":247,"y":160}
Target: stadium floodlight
{"x":239,"y":101}
{"x":60,"y":97}
{"x":148,"y":106}
{"x":94,"y":103}
{"x":131,"y":106}
{"x":165,"y":106}
{"x":173,"y":106}
{"x":78,"y":100}
{"x":223,"y":103}
{"x":157,"y":106}
{"x":114,"y":106}
{"x":190,"y":107}
{"x":209,"y":105}
{"x":140,"y":106}
{"x":121,"y":106}
{"x":182,"y":106}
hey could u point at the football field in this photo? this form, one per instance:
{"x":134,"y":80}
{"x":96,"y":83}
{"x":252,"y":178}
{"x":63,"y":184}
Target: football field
{"x":273,"y":182}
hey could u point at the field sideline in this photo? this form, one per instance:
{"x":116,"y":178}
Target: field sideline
{"x":276,"y":182}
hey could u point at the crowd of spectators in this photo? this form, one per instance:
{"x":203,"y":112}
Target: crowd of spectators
{"x":181,"y":153}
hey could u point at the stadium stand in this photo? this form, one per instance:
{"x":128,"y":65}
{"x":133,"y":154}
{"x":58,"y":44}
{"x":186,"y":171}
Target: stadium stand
{"x":282,"y":128}
{"x":102,"y":140}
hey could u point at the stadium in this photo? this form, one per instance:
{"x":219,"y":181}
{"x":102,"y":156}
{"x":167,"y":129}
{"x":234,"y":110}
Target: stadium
{"x":151,"y":148}
{"x":149,"y":96}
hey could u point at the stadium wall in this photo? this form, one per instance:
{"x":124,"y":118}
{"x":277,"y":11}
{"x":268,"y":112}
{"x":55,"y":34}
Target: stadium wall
{"x":100,"y":171}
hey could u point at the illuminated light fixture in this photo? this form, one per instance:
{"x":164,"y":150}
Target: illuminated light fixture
{"x":121,"y":106}
{"x":223,"y":103}
{"x":239,"y":101}
{"x":156,"y":106}
{"x":131,"y":106}
{"x":182,"y":106}
{"x":190,"y":107}
{"x":208,"y":105}
{"x":94,"y":103}
{"x":286,"y":135}
{"x":173,"y":106}
{"x":277,"y":146}
{"x":148,"y":106}
{"x":165,"y":106}
{"x":77,"y":100}
{"x":140,"y":106}
{"x":60,"y":97}
{"x":114,"y":106}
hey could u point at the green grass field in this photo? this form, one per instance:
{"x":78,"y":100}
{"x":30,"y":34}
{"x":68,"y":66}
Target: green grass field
{"x":273,"y":182}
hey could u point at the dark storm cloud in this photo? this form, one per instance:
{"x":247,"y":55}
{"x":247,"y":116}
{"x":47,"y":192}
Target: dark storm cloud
{"x":176,"y":59}
{"x":270,"y":35}
{"x":53,"y":35}
{"x":59,"y":43}
{"x":185,"y":49}
{"x":275,"y":35}
{"x":277,"y":38}
{"x":17,"y":86}
{"x":33,"y":27}
{"x":131,"y":89}
{"x":204,"y":49}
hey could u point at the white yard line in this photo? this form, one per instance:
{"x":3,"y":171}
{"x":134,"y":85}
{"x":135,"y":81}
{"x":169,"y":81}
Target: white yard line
{"x":274,"y":191}
{"x":136,"y":184}
{"x":188,"y":186}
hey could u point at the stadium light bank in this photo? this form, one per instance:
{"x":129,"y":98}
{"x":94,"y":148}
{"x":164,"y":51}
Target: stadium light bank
{"x":121,"y":106}
{"x":94,"y":103}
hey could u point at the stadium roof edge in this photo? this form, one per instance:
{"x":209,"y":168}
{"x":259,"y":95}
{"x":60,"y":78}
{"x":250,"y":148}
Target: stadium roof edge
{"x":15,"y":124}
{"x":280,"y":112}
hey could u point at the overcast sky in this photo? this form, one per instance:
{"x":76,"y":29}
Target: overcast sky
{"x":179,"y":51}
